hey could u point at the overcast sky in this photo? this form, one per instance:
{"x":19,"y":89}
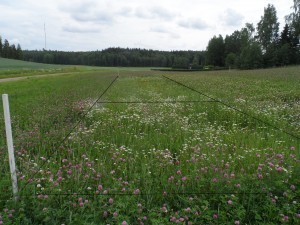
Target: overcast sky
{"x":83,"y":25}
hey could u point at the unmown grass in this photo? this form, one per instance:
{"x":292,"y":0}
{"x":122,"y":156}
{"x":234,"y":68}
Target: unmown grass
{"x":196,"y":161}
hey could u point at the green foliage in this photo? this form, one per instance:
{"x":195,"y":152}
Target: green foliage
{"x":289,"y":36}
{"x":1,"y":46}
{"x":19,"y":53}
{"x":237,"y":45}
{"x":247,"y":35}
{"x":231,"y":60}
{"x":294,"y":18}
{"x":5,"y":49}
{"x":233,"y":43}
{"x":181,"y":63}
{"x":117,"y":57}
{"x":251,"y":57}
{"x":284,"y":54}
{"x":10,"y":51}
{"x":268,"y":28}
{"x":215,"y":51}
{"x":275,"y":50}
{"x":267,"y":35}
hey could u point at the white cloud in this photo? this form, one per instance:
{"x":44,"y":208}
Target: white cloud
{"x":159,"y":29}
{"x":94,"y":24}
{"x":193,"y":23}
{"x":154,"y":13}
{"x":125,"y":11}
{"x":232,"y":18}
{"x":162,"y":13}
{"x":98,"y":17}
{"x":80,"y":29}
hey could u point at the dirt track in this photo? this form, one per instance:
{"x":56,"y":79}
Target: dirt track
{"x":35,"y":76}
{"x":12,"y":79}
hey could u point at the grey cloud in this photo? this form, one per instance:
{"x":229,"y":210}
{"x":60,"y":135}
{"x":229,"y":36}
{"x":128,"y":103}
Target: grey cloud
{"x":154,"y":12}
{"x":232,"y":18}
{"x":88,"y":11}
{"x":75,"y":8}
{"x":79,"y":29}
{"x":194,"y":23}
{"x":142,"y":13}
{"x":8,"y":2}
{"x":125,"y":11}
{"x":165,"y":31}
{"x":159,"y":30}
{"x":174,"y":36}
{"x":100,"y":17}
{"x":162,"y":13}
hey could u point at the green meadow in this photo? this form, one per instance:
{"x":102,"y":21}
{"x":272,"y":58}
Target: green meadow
{"x":135,"y":146}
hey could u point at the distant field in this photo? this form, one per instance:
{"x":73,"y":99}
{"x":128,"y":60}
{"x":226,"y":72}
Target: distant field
{"x":12,"y":64}
{"x":10,"y":68}
{"x":147,"y":147}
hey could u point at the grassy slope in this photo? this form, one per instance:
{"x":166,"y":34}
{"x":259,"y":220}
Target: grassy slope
{"x":10,"y":68}
{"x":12,"y":64}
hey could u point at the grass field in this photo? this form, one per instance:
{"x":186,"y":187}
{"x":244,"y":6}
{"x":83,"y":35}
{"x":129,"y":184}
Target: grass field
{"x":149,"y":147}
{"x":12,"y":64}
{"x":10,"y":68}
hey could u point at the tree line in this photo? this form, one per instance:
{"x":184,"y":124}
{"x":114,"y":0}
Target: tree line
{"x":10,"y":51}
{"x":120,"y":57}
{"x":263,"y":46}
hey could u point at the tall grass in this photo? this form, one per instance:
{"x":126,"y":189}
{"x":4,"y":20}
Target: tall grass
{"x":196,"y":161}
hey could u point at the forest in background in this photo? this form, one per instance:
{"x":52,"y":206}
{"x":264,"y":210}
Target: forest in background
{"x":261,"y":46}
{"x":10,"y":51}
{"x":121,"y":57}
